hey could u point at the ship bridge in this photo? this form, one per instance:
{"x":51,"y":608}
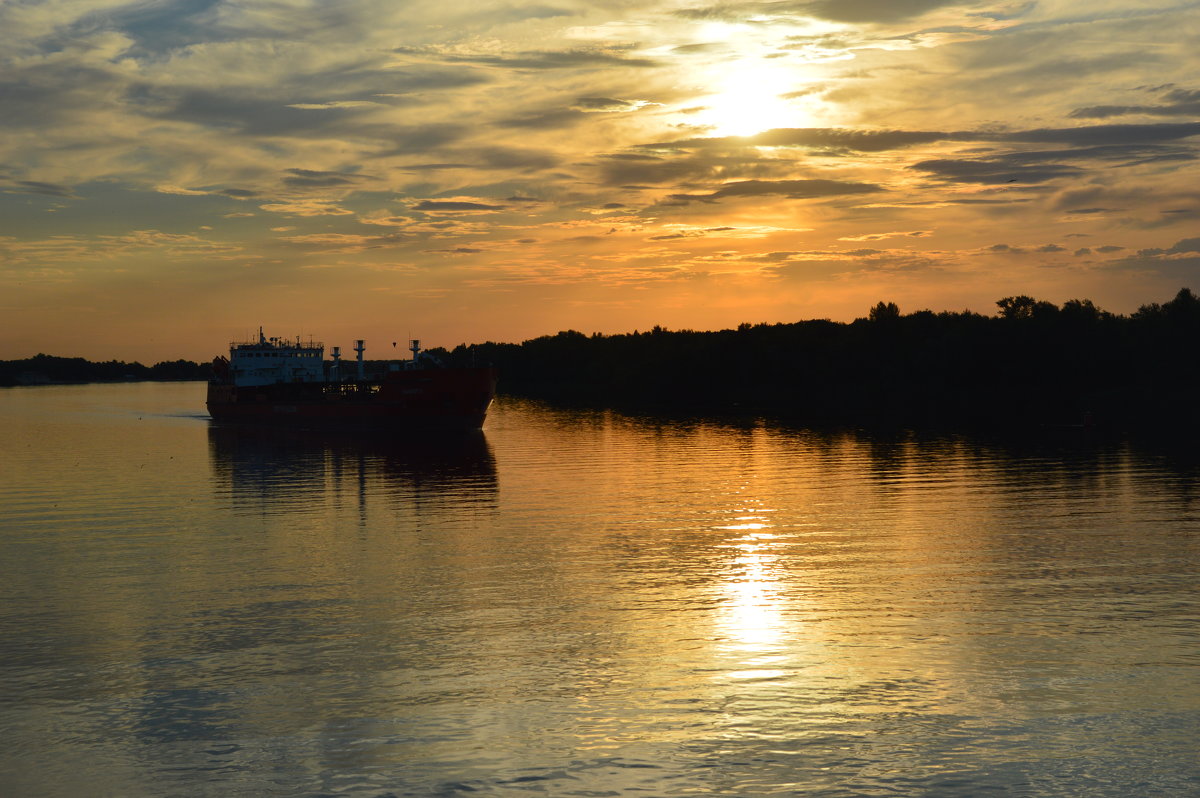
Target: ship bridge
{"x":272,"y":361}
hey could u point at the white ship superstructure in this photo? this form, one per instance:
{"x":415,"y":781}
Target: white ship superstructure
{"x":274,"y":361}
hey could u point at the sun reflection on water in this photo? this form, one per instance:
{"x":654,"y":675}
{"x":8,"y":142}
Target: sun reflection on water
{"x":752,"y":626}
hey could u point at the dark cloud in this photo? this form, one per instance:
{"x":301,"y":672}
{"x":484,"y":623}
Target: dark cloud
{"x":991,"y":172}
{"x":515,"y":158}
{"x":334,"y":102}
{"x":246,"y":113}
{"x":971,"y":201}
{"x":1179,"y":102}
{"x":453,"y":205}
{"x":855,"y":11}
{"x":629,"y":169}
{"x":1082,"y":251}
{"x":38,"y":187}
{"x":604,"y":104}
{"x":868,"y":11}
{"x":1127,"y":154}
{"x":419,"y":138}
{"x":157,"y":28}
{"x":560,"y":59}
{"x":309,"y":178}
{"x":489,"y":158}
{"x":434,"y":167}
{"x":858,"y":140}
{"x":237,"y":193}
{"x":1051,"y":248}
{"x":702,"y":47}
{"x":792,"y":189}
{"x":717,"y":12}
{"x":1092,"y":142}
{"x":546,"y":120}
{"x":623,"y":171}
{"x":1092,"y":135}
{"x":1184,"y":246}
{"x":49,"y":93}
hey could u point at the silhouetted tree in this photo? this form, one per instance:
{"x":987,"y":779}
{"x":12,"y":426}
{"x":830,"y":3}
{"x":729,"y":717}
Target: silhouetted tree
{"x":884,"y":312}
{"x":1025,"y":307}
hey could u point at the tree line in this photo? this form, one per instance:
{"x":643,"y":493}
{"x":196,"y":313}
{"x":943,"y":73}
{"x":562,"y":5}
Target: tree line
{"x":46,"y":369}
{"x":1033,"y":362}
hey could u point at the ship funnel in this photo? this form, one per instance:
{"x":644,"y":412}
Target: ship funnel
{"x":336,"y":371}
{"x":360,"y":347}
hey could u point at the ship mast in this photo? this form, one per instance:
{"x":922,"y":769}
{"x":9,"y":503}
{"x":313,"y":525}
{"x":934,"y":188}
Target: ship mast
{"x":360,"y":347}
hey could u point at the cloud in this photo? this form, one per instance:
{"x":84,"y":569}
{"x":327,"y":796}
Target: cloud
{"x":180,"y":190}
{"x":39,"y":187}
{"x":344,"y":242}
{"x":848,"y":11}
{"x":1182,"y":247}
{"x":881,"y":236}
{"x":545,"y":120}
{"x":318,"y":179}
{"x":440,"y":206}
{"x":624,"y":169}
{"x":305,"y":207}
{"x":557,"y":59}
{"x":1096,"y":141}
{"x":416,"y":139}
{"x":1180,"y":102}
{"x":1092,"y":135}
{"x":870,"y":11}
{"x":992,"y":172}
{"x":819,"y":138}
{"x":792,"y":189}
{"x":607,"y":105}
{"x":457,"y":251}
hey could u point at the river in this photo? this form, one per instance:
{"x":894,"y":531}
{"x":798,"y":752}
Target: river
{"x":579,"y":603}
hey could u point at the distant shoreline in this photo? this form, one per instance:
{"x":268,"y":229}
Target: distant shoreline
{"x":1034,"y":365}
{"x":60,"y":383}
{"x":50,"y":370}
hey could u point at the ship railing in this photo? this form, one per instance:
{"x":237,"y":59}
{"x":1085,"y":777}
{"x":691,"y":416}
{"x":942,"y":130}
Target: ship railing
{"x":277,"y":344}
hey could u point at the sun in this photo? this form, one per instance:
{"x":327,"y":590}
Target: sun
{"x":752,"y":96}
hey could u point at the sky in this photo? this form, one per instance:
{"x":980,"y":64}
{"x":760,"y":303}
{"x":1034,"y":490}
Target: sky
{"x":176,"y":173}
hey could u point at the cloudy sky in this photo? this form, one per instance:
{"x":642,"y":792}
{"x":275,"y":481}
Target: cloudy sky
{"x":174,"y":173}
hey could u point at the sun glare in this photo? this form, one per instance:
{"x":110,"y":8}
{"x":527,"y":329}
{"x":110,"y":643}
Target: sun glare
{"x":751,"y":98}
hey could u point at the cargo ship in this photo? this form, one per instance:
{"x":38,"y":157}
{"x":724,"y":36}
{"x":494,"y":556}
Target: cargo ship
{"x":280,"y":381}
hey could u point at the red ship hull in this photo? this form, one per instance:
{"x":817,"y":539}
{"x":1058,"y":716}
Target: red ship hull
{"x":416,"y":400}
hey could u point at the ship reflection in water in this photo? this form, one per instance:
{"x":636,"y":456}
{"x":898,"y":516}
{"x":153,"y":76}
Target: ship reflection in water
{"x":273,"y":470}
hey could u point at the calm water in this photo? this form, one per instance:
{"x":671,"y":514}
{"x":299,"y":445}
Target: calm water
{"x":585,"y":604}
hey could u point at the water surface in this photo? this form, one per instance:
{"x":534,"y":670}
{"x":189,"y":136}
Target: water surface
{"x":586,"y":604}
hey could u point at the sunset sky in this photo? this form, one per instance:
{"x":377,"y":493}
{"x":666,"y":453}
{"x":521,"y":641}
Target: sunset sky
{"x":175,"y":173}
